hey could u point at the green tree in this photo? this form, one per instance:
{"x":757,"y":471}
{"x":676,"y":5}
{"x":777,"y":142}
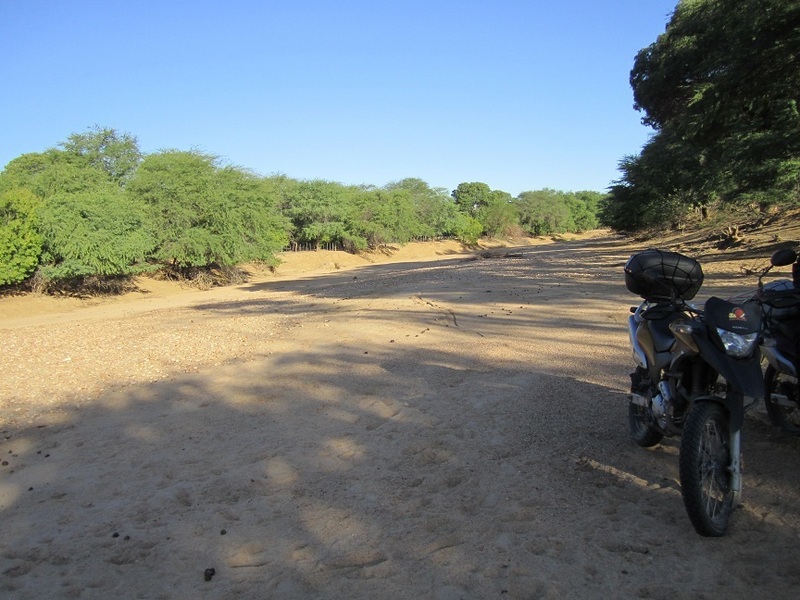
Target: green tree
{"x":434,"y":208}
{"x":467,"y":229}
{"x":203,"y":215}
{"x":389,"y":216}
{"x":720,"y":87}
{"x":319,"y":211}
{"x":93,"y":232}
{"x":658,"y":186}
{"x":498,"y":215}
{"x":470,"y":197}
{"x":584,"y":207}
{"x":49,"y":173}
{"x":254,"y":228}
{"x":20,"y":241}
{"x":103,"y":148}
{"x":544,"y":212}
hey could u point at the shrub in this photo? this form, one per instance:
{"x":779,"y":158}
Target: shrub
{"x":20,"y":242}
{"x":95,"y":232}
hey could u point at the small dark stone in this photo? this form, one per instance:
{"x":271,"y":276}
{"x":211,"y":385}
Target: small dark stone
{"x":208,"y":574}
{"x":126,"y":538}
{"x":115,"y":535}
{"x":223,"y":532}
{"x":5,"y":463}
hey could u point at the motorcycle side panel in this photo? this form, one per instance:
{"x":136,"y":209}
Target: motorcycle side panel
{"x":653,"y":339}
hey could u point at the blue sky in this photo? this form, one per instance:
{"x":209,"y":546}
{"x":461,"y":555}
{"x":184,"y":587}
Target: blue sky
{"x":520,"y":95}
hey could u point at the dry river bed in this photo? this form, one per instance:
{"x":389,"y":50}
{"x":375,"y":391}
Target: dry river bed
{"x":439,"y":429}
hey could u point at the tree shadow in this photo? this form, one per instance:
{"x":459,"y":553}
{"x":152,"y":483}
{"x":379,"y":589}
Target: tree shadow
{"x":469,"y":448}
{"x":334,"y":473}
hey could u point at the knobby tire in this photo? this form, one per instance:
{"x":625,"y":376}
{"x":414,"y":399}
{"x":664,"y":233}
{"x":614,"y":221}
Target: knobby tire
{"x":705,"y":474}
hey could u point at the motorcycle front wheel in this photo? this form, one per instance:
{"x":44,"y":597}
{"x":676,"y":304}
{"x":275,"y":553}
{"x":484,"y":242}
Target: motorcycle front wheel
{"x":783,"y":400}
{"x":705,"y":469}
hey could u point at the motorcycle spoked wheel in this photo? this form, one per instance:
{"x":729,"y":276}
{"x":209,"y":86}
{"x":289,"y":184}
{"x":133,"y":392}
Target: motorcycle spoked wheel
{"x":705,"y":469}
{"x":787,"y":417}
{"x":642,"y":429}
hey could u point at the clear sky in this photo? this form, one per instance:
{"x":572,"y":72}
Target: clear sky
{"x":518,"y":94}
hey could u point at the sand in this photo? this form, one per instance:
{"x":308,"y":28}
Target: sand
{"x":424,"y":423}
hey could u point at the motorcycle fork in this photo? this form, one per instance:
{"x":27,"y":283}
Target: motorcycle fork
{"x":736,"y":465}
{"x":682,"y":391}
{"x":703,"y":378}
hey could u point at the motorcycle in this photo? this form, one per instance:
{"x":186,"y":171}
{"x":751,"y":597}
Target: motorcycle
{"x":696,"y":366}
{"x":780,"y":344}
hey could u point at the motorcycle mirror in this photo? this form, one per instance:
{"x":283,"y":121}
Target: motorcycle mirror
{"x":784,"y":257}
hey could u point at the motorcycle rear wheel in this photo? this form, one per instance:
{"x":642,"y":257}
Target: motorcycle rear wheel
{"x":640,"y":422}
{"x":705,"y":469}
{"x":782,"y":384}
{"x":642,"y":430}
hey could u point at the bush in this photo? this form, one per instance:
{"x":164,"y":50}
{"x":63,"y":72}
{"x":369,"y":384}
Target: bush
{"x":93,"y":233}
{"x":467,"y":229}
{"x":20,"y":242}
{"x":205,"y":216}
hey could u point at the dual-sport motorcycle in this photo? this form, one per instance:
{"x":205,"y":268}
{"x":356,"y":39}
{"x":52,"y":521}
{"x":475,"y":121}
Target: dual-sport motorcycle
{"x":697,"y":368}
{"x":780,"y":342}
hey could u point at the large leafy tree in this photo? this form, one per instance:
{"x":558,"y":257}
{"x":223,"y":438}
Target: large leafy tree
{"x":319,"y":211}
{"x":93,"y":232}
{"x":725,"y":79}
{"x":497,"y":214}
{"x":389,"y":217}
{"x":720,"y":87}
{"x":117,"y":154}
{"x":493,"y":209}
{"x":255,"y":230}
{"x":471,"y":196}
{"x":584,"y":207}
{"x":435,"y":210}
{"x":544,"y":212}
{"x":547,"y":211}
{"x":204,"y":215}
{"x":81,"y":224}
{"x":51,"y":172}
{"x":84,"y":161}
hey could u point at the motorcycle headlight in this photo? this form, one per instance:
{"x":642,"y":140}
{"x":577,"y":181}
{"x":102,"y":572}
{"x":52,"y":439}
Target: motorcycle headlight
{"x":735,"y":344}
